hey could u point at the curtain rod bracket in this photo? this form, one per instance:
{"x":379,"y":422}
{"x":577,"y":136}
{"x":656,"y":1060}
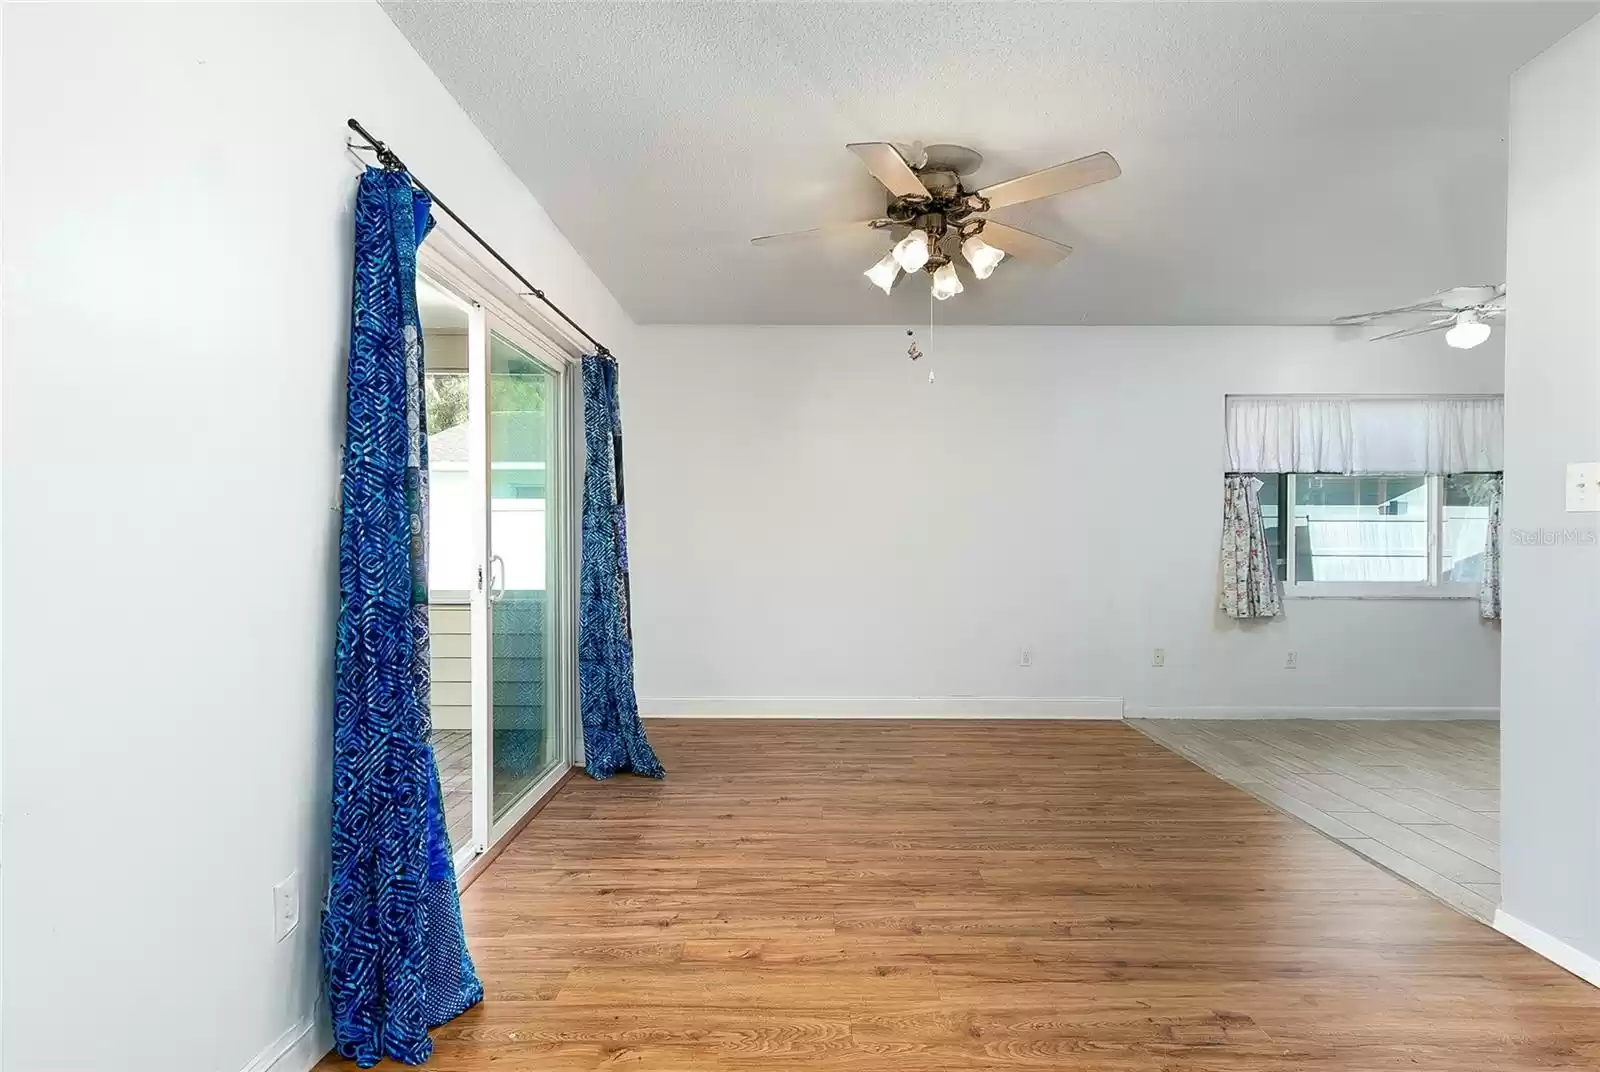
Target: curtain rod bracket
{"x":385,"y":155}
{"x":392,"y":162}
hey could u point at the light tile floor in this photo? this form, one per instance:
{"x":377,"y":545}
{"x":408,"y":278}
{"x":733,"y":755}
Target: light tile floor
{"x":1419,"y":798}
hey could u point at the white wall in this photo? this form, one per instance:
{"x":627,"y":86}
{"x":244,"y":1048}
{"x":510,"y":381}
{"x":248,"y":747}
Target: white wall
{"x":1550,"y":735}
{"x":176,"y":287}
{"x":810,"y":518}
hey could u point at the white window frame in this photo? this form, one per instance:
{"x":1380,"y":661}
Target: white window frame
{"x":1433,"y":588}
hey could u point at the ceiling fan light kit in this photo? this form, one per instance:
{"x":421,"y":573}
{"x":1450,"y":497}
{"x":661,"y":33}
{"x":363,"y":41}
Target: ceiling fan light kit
{"x":1468,"y":331}
{"x":927,"y":200}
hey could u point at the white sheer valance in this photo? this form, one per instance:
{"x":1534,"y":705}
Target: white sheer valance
{"x":1327,"y":434}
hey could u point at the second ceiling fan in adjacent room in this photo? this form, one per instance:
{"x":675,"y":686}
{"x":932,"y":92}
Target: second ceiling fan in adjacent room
{"x":934,"y":216}
{"x":1462,"y":313}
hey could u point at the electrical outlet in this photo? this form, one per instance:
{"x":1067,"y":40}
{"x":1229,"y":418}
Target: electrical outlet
{"x":286,"y":906}
{"x":1291,"y":660}
{"x":1158,"y":657}
{"x":1026,"y":659}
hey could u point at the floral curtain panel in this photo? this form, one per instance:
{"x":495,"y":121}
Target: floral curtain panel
{"x":1489,"y":588}
{"x":1249,"y":578}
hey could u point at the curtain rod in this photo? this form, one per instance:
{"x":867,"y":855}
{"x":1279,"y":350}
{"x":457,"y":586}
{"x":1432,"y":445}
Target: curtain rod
{"x":387,"y":157}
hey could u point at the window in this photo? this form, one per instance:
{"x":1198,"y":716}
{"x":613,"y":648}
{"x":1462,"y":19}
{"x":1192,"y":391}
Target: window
{"x":446,"y":396}
{"x":452,"y":561}
{"x":1466,"y":528}
{"x":1272,"y":494}
{"x":1360,"y":529}
{"x":1384,"y":534}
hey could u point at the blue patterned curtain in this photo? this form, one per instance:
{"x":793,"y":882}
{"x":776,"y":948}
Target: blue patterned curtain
{"x":393,"y":950}
{"x":613,"y":738}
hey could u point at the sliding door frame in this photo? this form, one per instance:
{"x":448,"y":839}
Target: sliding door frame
{"x":529,"y":343}
{"x":448,"y":261}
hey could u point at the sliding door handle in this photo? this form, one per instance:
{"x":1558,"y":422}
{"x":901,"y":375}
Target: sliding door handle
{"x":497,"y":588}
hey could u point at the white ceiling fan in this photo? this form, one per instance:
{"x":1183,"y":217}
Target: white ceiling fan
{"x":933,"y":215}
{"x":1462,"y":313}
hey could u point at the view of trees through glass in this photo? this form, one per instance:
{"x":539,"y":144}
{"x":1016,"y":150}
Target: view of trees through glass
{"x":446,"y":395}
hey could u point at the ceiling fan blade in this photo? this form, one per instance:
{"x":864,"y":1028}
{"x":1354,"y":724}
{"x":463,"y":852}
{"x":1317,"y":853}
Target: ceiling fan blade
{"x":1437,"y":325}
{"x":1469,"y":297}
{"x":889,"y":168}
{"x":826,"y":231}
{"x":1023,"y":245}
{"x":1379,"y":314}
{"x":1073,"y":175}
{"x":1488,"y":300}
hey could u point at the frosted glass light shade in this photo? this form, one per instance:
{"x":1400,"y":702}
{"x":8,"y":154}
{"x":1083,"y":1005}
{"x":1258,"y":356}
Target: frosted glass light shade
{"x":982,"y":256}
{"x":946,"y":284}
{"x":912,"y":251}
{"x":884,"y":273}
{"x":1468,"y":332}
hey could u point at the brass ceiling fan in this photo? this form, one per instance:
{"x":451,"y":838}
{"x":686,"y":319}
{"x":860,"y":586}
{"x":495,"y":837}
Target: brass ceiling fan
{"x":936,"y":215}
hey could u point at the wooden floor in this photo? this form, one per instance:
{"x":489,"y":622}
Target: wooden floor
{"x":1420,"y":798}
{"x":924,"y":896}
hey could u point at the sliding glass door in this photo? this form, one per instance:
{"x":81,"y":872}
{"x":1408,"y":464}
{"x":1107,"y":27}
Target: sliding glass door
{"x":499,"y":520}
{"x":524,"y":414}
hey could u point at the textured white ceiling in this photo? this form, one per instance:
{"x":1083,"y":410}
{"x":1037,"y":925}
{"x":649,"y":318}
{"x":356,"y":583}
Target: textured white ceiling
{"x":1282,"y":162}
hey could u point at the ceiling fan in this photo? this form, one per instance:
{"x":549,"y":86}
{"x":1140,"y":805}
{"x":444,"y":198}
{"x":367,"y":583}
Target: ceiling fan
{"x":933,"y":215}
{"x":1462,"y":313}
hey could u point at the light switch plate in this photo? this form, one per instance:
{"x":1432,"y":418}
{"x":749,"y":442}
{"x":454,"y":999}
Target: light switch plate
{"x":1583,"y":487}
{"x":286,"y":906}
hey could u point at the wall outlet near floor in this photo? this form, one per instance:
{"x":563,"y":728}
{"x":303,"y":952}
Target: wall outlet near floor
{"x":286,"y":906}
{"x":1026,"y":658}
{"x":1291,"y":660}
{"x":1158,"y":657}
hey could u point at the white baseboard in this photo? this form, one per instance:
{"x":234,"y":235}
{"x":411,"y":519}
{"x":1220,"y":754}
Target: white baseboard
{"x":298,"y":1049}
{"x":1008,"y":707}
{"x":1554,"y":950}
{"x":1350,"y":713}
